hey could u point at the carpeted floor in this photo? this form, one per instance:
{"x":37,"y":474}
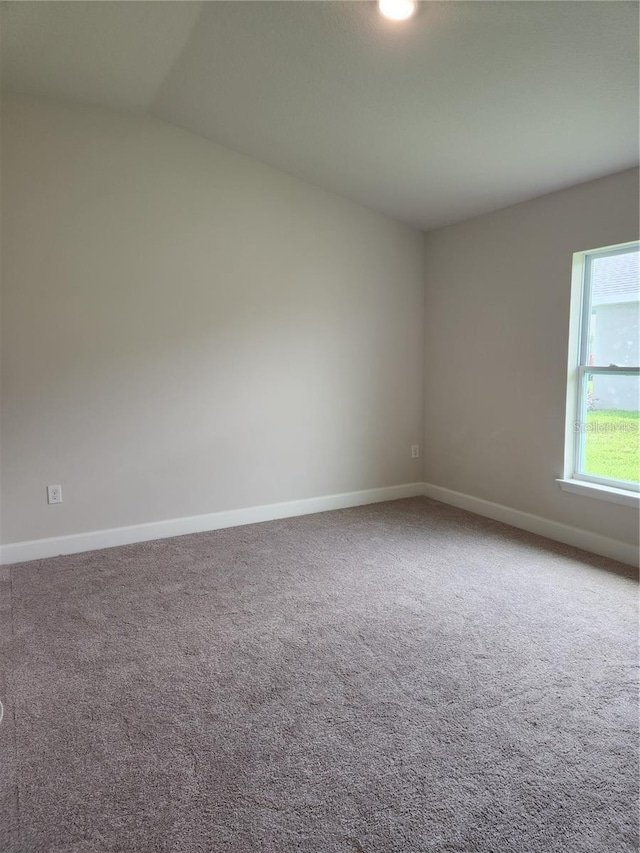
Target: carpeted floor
{"x":399,"y":677}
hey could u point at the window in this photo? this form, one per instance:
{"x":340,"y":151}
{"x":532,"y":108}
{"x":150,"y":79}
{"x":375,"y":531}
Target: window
{"x":603,"y":438}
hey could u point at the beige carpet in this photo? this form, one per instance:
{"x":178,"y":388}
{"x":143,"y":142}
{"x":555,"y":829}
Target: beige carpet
{"x":400,"y":677}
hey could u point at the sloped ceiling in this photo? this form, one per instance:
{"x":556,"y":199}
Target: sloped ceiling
{"x":466,"y":108}
{"x":109,"y":53}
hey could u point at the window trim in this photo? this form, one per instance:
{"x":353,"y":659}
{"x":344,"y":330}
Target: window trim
{"x":617,"y":491}
{"x":596,"y":490}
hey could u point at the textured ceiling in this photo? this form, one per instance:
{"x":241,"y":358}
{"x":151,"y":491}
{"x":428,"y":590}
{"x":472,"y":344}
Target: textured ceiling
{"x":468,"y":107}
{"x":104,"y":52}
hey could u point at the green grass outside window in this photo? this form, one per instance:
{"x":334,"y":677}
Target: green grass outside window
{"x":612,"y":445}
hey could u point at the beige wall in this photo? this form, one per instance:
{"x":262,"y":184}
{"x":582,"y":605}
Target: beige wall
{"x":186,"y":330}
{"x":497,"y":315}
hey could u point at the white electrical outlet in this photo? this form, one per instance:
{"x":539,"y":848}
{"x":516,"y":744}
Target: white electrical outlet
{"x":415,"y":451}
{"x":54,"y":494}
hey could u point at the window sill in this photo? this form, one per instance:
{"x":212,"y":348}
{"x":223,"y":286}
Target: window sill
{"x":603,"y":493}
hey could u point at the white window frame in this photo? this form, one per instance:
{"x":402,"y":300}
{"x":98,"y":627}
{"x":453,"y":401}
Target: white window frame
{"x":617,"y":491}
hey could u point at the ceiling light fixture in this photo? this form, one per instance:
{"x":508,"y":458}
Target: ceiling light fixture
{"x":397,"y":10}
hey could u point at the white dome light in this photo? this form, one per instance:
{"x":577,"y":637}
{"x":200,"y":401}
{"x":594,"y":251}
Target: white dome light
{"x":397,"y":10}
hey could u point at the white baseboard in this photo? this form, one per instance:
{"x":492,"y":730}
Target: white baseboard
{"x":37,"y":549}
{"x":575,"y":536}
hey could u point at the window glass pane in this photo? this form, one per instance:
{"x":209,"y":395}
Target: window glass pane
{"x":615,"y":311}
{"x":610,"y":427}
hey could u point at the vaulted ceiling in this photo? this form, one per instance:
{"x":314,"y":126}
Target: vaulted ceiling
{"x":466,"y":108}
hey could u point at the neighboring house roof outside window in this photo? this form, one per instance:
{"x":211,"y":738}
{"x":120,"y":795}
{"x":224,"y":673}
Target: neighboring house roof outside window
{"x":615,"y":279}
